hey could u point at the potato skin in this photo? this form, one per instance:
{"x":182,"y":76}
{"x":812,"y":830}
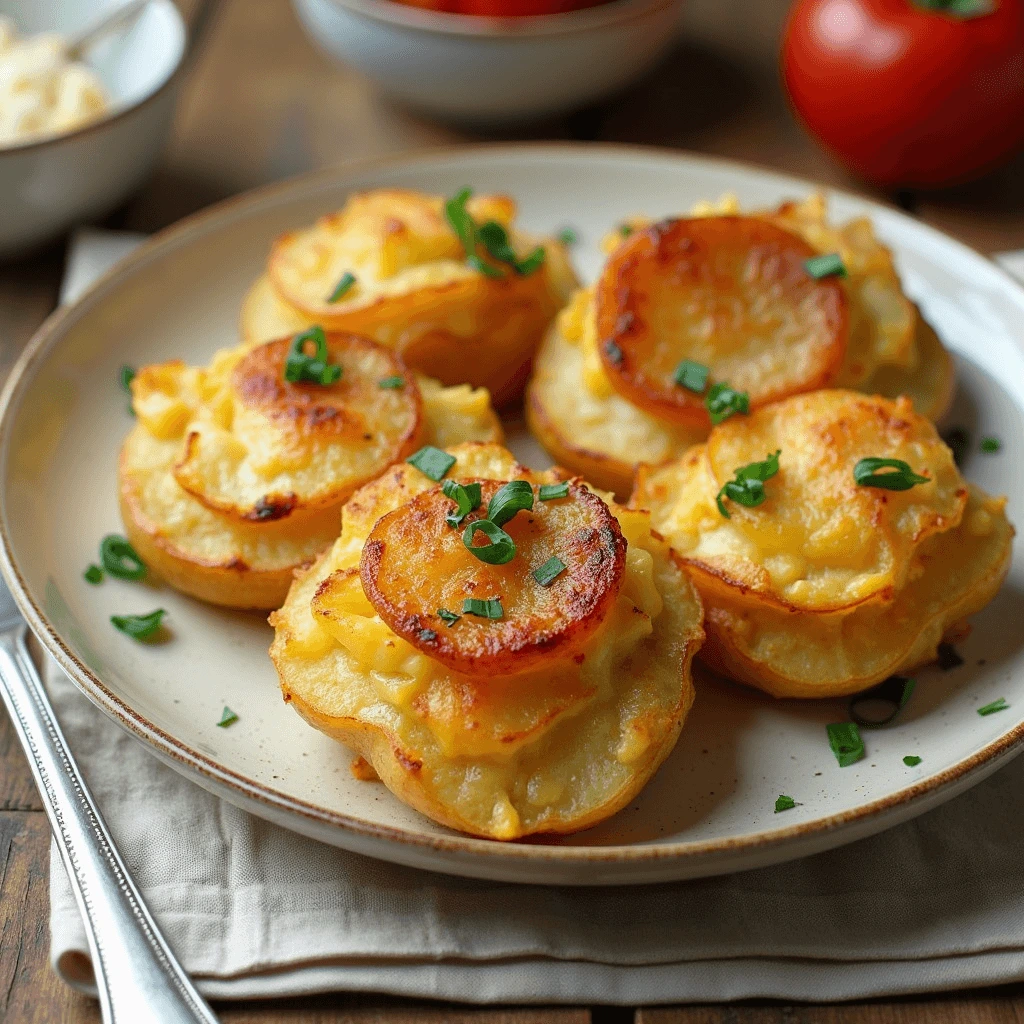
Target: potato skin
{"x":775,"y":330}
{"x":414,"y":291}
{"x":548,"y":751}
{"x":220,"y":558}
{"x":917,"y":566}
{"x":413,"y":563}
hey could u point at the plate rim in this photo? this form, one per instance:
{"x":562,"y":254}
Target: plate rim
{"x":194,"y":762}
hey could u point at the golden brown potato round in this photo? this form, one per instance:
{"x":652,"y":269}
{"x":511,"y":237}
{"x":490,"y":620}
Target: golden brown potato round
{"x":286,"y":448}
{"x":729,"y":293}
{"x":413,"y":290}
{"x":227,"y":559}
{"x":555,"y":747}
{"x":414,"y":563}
{"x":827,"y":586}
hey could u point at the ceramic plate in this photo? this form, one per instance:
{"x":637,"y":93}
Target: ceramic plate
{"x":710,"y":809}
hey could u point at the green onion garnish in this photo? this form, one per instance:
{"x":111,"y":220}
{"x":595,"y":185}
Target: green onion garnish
{"x":989,"y":445}
{"x":495,"y":239}
{"x":447,"y":617}
{"x":846,"y":743}
{"x":139,"y":627}
{"x":747,"y":488}
{"x":567,"y":236}
{"x":483,"y":609}
{"x":347,"y":280}
{"x":722,"y":402}
{"x":94,"y":574}
{"x":126,"y":376}
{"x":959,"y":442}
{"x":991,"y":709}
{"x":625,"y":230}
{"x":227,"y":717}
{"x":692,"y":376}
{"x":784,"y":803}
{"x":549,"y":492}
{"x":120,"y":559}
{"x":829,"y":265}
{"x":301,"y":367}
{"x":465,"y":227}
{"x":502,"y":547}
{"x":911,"y":760}
{"x":893,"y":693}
{"x":902,"y":477}
{"x":613,"y":352}
{"x":466,"y":498}
{"x":391,"y":382}
{"x":515,"y":496}
{"x":546,"y":574}
{"x":432,"y":462}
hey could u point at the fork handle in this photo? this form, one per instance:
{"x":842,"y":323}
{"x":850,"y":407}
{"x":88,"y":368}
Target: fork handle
{"x":138,"y":977}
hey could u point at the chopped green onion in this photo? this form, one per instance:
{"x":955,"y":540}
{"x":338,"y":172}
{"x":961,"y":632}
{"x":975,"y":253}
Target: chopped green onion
{"x":447,"y":617}
{"x":94,"y":574}
{"x":495,"y":239}
{"x":466,"y":498}
{"x":692,"y":376}
{"x":784,"y":803}
{"x":501,"y":549}
{"x":347,"y":280}
{"x":301,"y":367}
{"x":546,"y":574}
{"x":625,"y":230}
{"x":991,"y":709}
{"x":723,"y":401}
{"x":428,"y":636}
{"x":845,"y":740}
{"x":613,"y":352}
{"x":515,"y":496}
{"x":893,"y":692}
{"x":902,"y":477}
{"x":465,"y":227}
{"x":126,"y":376}
{"x":948,"y":657}
{"x":432,"y":462}
{"x":959,"y":442}
{"x":120,"y":559}
{"x":227,"y":717}
{"x":548,"y":492}
{"x":483,"y":609}
{"x":747,"y":488}
{"x":391,"y":382}
{"x":567,"y":236}
{"x":990,"y":445}
{"x":829,"y":265}
{"x":139,"y":627}
{"x":911,"y":760}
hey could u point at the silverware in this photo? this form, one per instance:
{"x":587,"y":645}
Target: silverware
{"x":138,"y":977}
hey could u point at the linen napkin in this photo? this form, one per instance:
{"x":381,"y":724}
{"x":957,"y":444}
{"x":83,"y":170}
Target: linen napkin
{"x":255,"y":911}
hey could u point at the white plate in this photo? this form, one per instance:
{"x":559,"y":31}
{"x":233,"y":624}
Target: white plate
{"x":711,"y":807}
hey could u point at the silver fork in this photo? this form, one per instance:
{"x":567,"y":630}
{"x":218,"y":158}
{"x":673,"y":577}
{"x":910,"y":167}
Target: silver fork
{"x":138,"y":977}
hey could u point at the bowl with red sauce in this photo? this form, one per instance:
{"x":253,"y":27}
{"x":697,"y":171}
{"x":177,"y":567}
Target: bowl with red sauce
{"x":488,"y":61}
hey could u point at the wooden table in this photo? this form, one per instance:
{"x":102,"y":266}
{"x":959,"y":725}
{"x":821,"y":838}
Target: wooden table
{"x":261,"y":104}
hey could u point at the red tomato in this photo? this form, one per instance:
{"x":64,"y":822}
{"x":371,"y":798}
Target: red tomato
{"x":907,"y":95}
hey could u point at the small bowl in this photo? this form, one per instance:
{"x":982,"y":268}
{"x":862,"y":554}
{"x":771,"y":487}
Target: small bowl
{"x":488,"y":70}
{"x":55,"y":182}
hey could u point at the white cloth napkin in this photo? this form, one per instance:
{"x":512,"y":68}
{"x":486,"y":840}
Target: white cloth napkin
{"x":255,"y":911}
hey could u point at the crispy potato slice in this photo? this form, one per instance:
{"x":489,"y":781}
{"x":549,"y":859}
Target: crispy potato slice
{"x":414,"y":563}
{"x":553,"y":748}
{"x":413,"y":290}
{"x":286,"y":448}
{"x":820,"y":542}
{"x":957,"y":573}
{"x":220,"y":558}
{"x":730,"y":293}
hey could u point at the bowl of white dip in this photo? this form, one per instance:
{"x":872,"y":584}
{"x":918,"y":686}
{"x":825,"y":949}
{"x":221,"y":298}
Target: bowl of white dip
{"x":77,"y":137}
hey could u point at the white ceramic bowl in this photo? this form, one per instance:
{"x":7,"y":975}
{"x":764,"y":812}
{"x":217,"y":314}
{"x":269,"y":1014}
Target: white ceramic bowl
{"x":494,"y":69}
{"x":51,"y":184}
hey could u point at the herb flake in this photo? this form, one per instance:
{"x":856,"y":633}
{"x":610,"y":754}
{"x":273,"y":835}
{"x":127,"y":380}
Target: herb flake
{"x":432,"y":462}
{"x":990,"y":445}
{"x":139,"y":627}
{"x":342,"y":287}
{"x":911,"y":760}
{"x":447,"y":617}
{"x":784,"y":803}
{"x":490,"y":609}
{"x":120,"y":559}
{"x":901,"y":478}
{"x":845,"y":740}
{"x":549,"y":492}
{"x":547,"y":573}
{"x":827,"y":265}
{"x":391,"y":383}
{"x":300,"y":367}
{"x":747,"y":488}
{"x":722,"y":401}
{"x":692,"y":376}
{"x":94,"y":574}
{"x":227,"y":717}
{"x":991,"y":709}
